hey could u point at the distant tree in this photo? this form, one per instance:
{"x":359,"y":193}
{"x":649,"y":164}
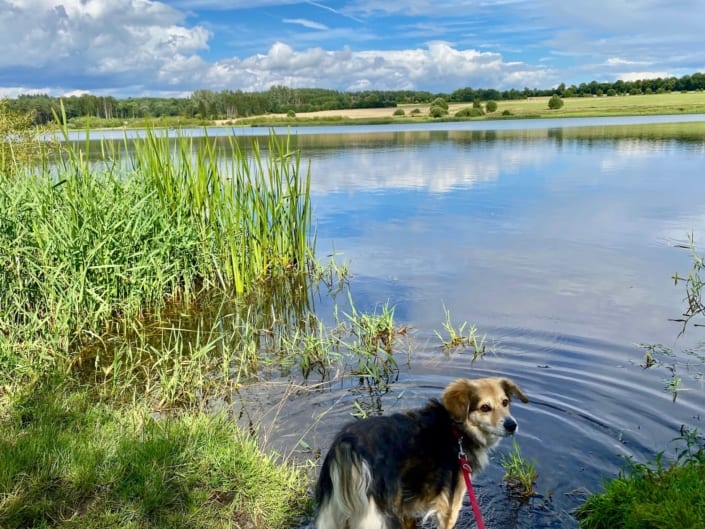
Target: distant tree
{"x":491,"y":106}
{"x":290,"y":113}
{"x":399,"y":112}
{"x":440,"y":102}
{"x":611,"y":92}
{"x":437,"y":111}
{"x":555,"y":102}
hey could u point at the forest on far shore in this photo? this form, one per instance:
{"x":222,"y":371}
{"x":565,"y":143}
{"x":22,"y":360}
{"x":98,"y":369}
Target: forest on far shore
{"x":228,"y":104}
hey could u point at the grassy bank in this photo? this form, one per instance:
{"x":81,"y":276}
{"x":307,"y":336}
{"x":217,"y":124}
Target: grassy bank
{"x":659,"y":495}
{"x":532,"y":108}
{"x":67,"y":460}
{"x":137,"y":287}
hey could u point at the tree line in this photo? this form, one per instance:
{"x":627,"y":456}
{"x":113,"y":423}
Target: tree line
{"x":229,"y":104}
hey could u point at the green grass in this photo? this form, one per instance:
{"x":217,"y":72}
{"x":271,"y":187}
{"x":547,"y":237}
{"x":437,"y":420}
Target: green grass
{"x":535,"y":107}
{"x":520,"y":474}
{"x":89,"y":250}
{"x":658,"y":495}
{"x":462,"y":337}
{"x":69,"y":461}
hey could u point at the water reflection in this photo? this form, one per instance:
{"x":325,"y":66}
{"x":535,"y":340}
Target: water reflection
{"x":560,"y":248}
{"x":557,"y":243}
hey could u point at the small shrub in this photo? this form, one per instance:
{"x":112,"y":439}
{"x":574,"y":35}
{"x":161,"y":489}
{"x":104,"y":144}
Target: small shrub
{"x":491,"y":106}
{"x":416,"y":111}
{"x":469,"y":112}
{"x":399,"y":112}
{"x":437,"y":112}
{"x":290,"y":113}
{"x":506,"y":112}
{"x":555,"y":102}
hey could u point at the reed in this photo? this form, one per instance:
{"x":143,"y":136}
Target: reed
{"x":87,"y":247}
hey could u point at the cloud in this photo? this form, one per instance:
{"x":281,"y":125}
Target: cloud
{"x":381,"y":69}
{"x":306,"y":23}
{"x":121,"y":42}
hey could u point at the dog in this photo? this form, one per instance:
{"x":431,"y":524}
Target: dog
{"x":388,"y":472}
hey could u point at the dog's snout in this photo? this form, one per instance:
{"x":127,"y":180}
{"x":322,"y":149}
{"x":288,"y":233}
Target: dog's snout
{"x":510,"y":425}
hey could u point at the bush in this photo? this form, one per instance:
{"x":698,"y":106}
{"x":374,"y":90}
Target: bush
{"x":399,"y":112}
{"x":506,"y":112}
{"x":555,"y":102}
{"x":440,"y":102}
{"x":491,"y":106}
{"x":437,"y":111}
{"x":469,"y":112}
{"x":290,"y":113}
{"x":416,"y":111}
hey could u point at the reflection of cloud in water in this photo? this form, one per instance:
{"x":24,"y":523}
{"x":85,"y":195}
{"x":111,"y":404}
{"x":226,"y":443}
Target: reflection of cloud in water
{"x":422,"y":169}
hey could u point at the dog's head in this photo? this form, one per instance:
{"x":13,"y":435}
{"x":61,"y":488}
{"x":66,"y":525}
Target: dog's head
{"x":480,"y":407}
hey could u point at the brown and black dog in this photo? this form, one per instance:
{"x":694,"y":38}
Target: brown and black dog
{"x":387,"y":472}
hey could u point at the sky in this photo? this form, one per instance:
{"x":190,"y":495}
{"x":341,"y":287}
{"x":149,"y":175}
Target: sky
{"x":132,"y":48}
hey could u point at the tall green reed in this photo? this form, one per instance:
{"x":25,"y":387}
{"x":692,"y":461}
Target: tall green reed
{"x":91,"y":242}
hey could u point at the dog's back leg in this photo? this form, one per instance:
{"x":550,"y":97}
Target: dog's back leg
{"x":342,"y":492}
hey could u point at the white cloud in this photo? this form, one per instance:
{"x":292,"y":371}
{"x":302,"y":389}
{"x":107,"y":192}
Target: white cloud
{"x":616,"y":61}
{"x":379,"y":69}
{"x":82,"y":39}
{"x":635,"y":76}
{"x":306,"y":23}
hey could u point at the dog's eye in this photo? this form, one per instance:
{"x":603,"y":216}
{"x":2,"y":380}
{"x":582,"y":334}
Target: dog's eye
{"x":505,"y":402}
{"x":485,"y":408}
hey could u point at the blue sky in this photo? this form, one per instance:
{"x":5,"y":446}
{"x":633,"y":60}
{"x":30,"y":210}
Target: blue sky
{"x":170,"y":48}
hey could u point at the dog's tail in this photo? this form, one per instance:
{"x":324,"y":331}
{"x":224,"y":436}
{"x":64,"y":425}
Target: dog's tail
{"x":342,"y":491}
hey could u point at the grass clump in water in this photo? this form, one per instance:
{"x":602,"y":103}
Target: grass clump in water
{"x":460,"y":338}
{"x":520,"y":474}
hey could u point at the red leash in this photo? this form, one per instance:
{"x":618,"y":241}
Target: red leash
{"x":468,"y":483}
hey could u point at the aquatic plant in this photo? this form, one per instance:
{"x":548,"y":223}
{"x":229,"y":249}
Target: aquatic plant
{"x":89,"y":247}
{"x":520,"y":474}
{"x":693,"y":286}
{"x":460,"y":338}
{"x":372,"y":342}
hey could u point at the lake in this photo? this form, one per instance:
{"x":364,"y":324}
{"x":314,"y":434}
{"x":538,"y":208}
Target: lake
{"x":557,"y":243}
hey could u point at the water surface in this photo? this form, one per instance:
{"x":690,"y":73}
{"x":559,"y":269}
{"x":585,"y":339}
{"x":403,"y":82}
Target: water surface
{"x":558,"y":245}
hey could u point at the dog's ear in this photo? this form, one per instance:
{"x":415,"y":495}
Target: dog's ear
{"x":458,"y":398}
{"x":511,"y":389}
